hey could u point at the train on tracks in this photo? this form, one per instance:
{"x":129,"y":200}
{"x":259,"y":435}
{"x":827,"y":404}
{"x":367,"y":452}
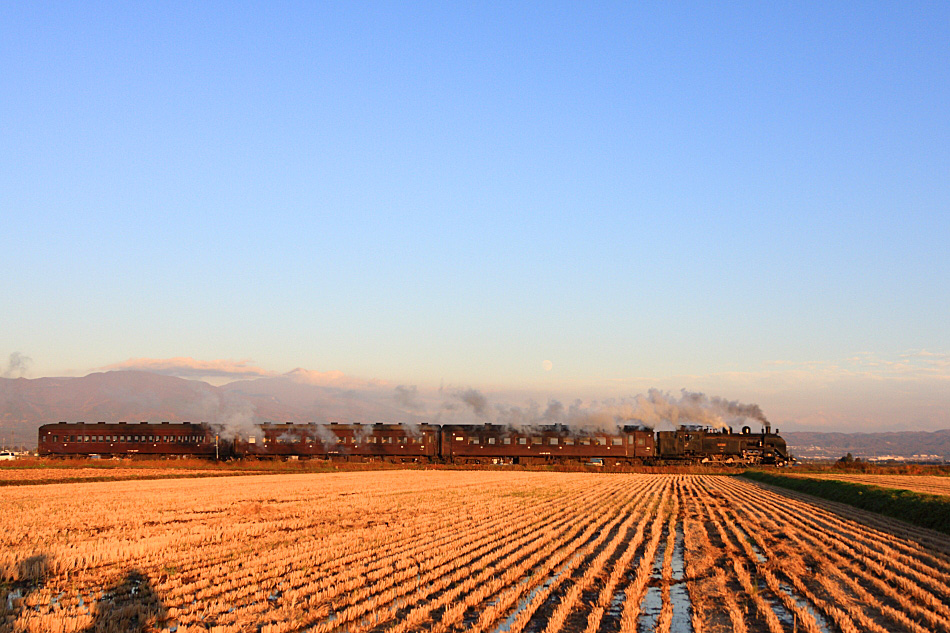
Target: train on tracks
{"x":425,"y":443}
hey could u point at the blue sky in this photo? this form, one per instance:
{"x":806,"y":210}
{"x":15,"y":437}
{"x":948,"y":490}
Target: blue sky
{"x":687,"y":196}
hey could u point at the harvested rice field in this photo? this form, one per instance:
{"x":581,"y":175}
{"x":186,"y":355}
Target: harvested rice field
{"x":928,"y":484}
{"x":20,"y":476}
{"x":488,"y":551}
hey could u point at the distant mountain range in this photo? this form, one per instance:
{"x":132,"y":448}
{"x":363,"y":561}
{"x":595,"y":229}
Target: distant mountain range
{"x":302,"y":396}
{"x":920,"y":445}
{"x":137,"y":396}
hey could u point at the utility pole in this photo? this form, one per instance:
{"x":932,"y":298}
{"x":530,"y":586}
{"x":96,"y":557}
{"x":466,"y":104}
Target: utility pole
{"x":216,"y":457}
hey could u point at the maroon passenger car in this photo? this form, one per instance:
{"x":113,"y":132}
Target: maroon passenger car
{"x":350,"y":442}
{"x":500,"y":444}
{"x":121,"y":438}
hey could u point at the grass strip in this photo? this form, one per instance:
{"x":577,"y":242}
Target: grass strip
{"x":929,"y":511}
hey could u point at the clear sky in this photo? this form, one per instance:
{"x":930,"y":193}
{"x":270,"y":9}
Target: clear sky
{"x":753,"y":200}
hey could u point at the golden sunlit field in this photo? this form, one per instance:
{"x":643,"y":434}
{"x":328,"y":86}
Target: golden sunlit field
{"x":12,"y":476}
{"x":489,"y":551}
{"x":928,"y":484}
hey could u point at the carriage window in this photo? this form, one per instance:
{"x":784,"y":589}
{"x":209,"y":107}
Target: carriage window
{"x":601,"y":441}
{"x":617,"y":441}
{"x":491,"y":440}
{"x":459,"y":438}
{"x":522,"y":440}
{"x":473,"y":440}
{"x":640,"y":441}
{"x":535,"y":440}
{"x":569,"y":441}
{"x":55,"y":438}
{"x":585,"y":441}
{"x":552,"y":441}
{"x":72,"y":438}
{"x":506,"y":440}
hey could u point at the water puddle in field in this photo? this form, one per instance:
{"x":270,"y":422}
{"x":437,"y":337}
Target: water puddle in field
{"x":615,"y":609}
{"x":759,"y":556}
{"x":652,"y":603}
{"x":650,"y":609}
{"x":679,"y":595}
{"x":778,"y":607}
{"x":505,"y":626}
{"x":785,"y":616}
{"x":16,"y":594}
{"x":807,"y":606}
{"x":472,"y":614}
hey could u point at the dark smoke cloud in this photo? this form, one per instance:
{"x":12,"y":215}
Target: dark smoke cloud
{"x":474,"y":399}
{"x":408,"y":397}
{"x":651,"y":409}
{"x":17,"y":366}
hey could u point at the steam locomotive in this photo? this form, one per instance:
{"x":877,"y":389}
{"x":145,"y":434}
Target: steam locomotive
{"x":425,"y":443}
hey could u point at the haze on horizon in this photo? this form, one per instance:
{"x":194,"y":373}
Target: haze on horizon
{"x":540,"y":202}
